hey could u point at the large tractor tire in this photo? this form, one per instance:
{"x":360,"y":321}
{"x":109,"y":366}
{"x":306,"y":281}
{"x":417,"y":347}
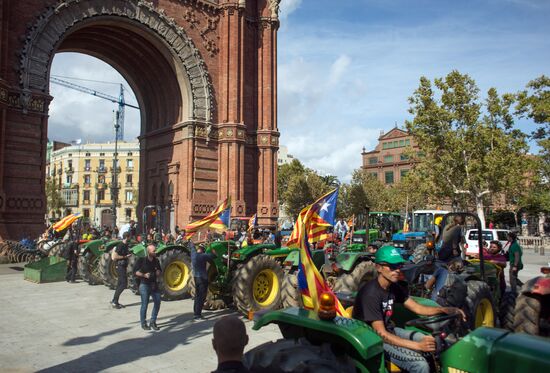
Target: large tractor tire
{"x":480,"y":310}
{"x":257,"y":285}
{"x":176,"y":273}
{"x":213,"y":301}
{"x":527,"y":315}
{"x":107,"y":271}
{"x":291,"y":296}
{"x":132,"y":279}
{"x":298,"y":356}
{"x":88,"y":268}
{"x":350,"y":282}
{"x":506,"y":310}
{"x":419,"y":253}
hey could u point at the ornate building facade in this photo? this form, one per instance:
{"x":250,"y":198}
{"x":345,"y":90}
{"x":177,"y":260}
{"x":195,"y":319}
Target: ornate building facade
{"x":205,"y":76}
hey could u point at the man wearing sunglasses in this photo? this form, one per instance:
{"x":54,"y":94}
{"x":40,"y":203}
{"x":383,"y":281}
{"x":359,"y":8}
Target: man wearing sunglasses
{"x":374,"y":305}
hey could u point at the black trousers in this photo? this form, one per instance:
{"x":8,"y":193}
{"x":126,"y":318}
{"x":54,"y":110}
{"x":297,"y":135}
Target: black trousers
{"x":122,"y":283}
{"x":72,"y":269}
{"x":201,"y":288}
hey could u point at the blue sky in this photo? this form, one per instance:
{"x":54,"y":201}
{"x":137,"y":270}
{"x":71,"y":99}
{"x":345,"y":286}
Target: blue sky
{"x":346,"y":69}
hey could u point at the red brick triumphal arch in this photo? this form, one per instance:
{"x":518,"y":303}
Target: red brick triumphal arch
{"x":204,"y":73}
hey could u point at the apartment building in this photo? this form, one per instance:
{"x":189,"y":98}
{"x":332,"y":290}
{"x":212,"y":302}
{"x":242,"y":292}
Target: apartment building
{"x":84,"y":176}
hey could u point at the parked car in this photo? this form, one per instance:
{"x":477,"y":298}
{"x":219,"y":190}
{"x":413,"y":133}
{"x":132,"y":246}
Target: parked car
{"x":471,"y":245}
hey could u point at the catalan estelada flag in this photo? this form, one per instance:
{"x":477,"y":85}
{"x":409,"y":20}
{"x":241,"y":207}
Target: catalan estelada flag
{"x":222,"y":222}
{"x":310,"y":282}
{"x":66,"y":222}
{"x":322,"y":214}
{"x":253,"y":222}
{"x":208,"y":220}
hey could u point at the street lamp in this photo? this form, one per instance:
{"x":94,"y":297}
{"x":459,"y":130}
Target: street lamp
{"x":455,"y":205}
{"x":114,"y":186}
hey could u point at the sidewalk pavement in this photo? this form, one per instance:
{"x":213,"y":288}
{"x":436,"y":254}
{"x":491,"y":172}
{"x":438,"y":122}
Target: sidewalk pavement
{"x":62,"y":327}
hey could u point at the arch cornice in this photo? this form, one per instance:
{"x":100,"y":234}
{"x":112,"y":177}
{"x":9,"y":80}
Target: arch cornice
{"x":45,"y":35}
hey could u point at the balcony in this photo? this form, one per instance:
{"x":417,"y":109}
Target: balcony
{"x":115,"y":185}
{"x":129,"y":184}
{"x":118,"y":169}
{"x":86,"y":202}
{"x":101,"y":185}
{"x":130,"y":169}
{"x":87,"y":168}
{"x":87,"y":185}
{"x":101,"y":170}
{"x":69,"y":170}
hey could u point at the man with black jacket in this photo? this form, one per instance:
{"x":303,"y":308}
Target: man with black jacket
{"x":120,"y":255}
{"x":148,"y":270}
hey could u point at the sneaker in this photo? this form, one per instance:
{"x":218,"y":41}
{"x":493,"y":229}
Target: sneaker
{"x":154,"y":325}
{"x":144,"y":326}
{"x":197,"y":318}
{"x":116,"y":305}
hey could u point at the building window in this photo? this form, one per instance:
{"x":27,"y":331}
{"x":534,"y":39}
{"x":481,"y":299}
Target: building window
{"x":396,"y":144}
{"x":404,"y":157}
{"x":102,"y":154}
{"x":86,"y":165}
{"x":130,"y":163}
{"x":70,"y":154}
{"x":100,"y":195}
{"x":86,"y":195}
{"x":129,"y":154}
{"x":86,"y":179}
{"x":388,"y":176}
{"x":404,"y":173}
{"x":373,"y":160}
{"x":385,"y":145}
{"x":401,"y":143}
{"x":374,"y":174}
{"x":101,"y":179}
{"x":69,"y":179}
{"x":86,"y":213}
{"x":128,"y":213}
{"x":88,"y":154}
{"x":129,"y":178}
{"x":102,"y":164}
{"x":388,"y":158}
{"x":407,"y":142}
{"x":70,"y":164}
{"x":129,"y":196}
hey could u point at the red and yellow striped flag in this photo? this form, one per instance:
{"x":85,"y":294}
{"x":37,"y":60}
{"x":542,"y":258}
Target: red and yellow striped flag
{"x":192,"y":228}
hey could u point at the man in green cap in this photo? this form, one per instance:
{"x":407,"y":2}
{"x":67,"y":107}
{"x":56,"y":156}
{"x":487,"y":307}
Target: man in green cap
{"x":374,"y":305}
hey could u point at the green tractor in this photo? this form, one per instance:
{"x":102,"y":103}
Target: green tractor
{"x":381,"y":226}
{"x":311,"y":342}
{"x":250,"y":277}
{"x":343,"y":271}
{"x":476,"y":285}
{"x":88,"y":261}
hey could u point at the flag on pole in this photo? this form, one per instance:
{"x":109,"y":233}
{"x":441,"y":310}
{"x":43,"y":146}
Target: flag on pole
{"x":222,"y":222}
{"x":66,"y":222}
{"x":310,"y":282}
{"x":253,"y":222}
{"x":322,"y":214}
{"x":192,"y":228}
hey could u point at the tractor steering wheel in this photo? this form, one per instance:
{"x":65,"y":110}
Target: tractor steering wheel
{"x":426,"y":321}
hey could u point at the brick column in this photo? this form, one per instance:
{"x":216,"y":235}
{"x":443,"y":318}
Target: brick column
{"x":231,"y":126}
{"x":267,"y":134}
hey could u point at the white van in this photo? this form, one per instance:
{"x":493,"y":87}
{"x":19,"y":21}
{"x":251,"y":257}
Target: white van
{"x":488,"y":235}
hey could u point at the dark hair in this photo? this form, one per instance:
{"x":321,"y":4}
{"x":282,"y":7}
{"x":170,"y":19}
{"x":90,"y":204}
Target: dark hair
{"x":125,"y":235}
{"x":499,"y":245}
{"x":513,"y":236}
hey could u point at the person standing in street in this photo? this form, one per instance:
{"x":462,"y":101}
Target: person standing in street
{"x":514,"y":256}
{"x":72,"y":261}
{"x":148,"y":270}
{"x":198,"y":261}
{"x":120,"y":255}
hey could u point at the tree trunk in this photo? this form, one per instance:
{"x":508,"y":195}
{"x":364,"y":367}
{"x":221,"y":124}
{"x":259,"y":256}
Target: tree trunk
{"x":480,"y":213}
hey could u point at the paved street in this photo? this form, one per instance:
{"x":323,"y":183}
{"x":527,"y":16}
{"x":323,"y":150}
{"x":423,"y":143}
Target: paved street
{"x":61,"y":327}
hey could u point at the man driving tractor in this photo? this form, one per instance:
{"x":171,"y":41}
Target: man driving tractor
{"x":374,"y":305}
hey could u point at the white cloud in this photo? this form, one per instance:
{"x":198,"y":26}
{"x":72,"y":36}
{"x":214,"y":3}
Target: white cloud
{"x":338,"y":68}
{"x":288,"y":6}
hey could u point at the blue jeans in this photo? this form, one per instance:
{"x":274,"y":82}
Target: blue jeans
{"x":145,"y":291}
{"x":410,"y":360}
{"x":440,"y":275}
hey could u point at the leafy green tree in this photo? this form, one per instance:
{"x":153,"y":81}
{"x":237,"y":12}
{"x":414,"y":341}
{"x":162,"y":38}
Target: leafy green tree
{"x":54,"y":200}
{"x":285,"y":173}
{"x":470,"y":149}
